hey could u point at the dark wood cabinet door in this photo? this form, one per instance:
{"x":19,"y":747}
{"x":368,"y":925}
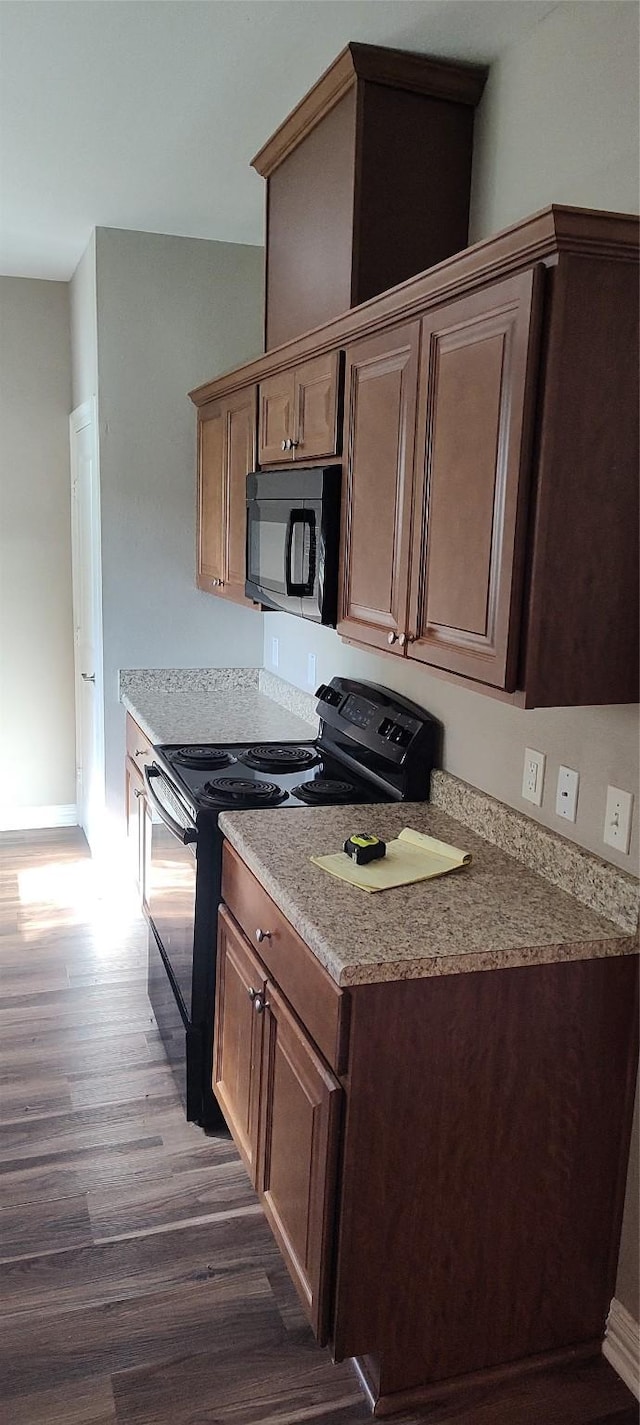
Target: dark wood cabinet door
{"x":241,"y":458}
{"x":380,"y":404}
{"x":476,"y":398}
{"x":317,"y":392}
{"x":238,"y":1037}
{"x":275,"y":424}
{"x":299,"y":1126}
{"x":211,"y":538}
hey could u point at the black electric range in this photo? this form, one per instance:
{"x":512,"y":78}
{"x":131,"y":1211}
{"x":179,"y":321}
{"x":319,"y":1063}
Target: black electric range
{"x":373,"y":746}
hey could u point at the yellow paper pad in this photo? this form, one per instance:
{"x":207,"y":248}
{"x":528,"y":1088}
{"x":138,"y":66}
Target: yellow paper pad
{"x":413,"y":857}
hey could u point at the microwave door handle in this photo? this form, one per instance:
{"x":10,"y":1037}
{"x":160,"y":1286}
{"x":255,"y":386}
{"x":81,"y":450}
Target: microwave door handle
{"x":305,"y":589}
{"x":185,"y":834}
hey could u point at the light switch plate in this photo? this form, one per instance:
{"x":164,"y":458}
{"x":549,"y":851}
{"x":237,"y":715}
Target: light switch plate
{"x":617,"y":819}
{"x":567,"y":793}
{"x":533,"y":776}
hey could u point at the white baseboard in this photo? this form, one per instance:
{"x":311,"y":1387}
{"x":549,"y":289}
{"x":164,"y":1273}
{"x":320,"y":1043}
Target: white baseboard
{"x":621,"y":1345}
{"x":35,"y":818}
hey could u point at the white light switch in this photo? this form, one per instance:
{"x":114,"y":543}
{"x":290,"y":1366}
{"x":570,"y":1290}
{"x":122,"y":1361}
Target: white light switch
{"x":567,"y":793}
{"x":617,"y":819}
{"x":533,"y":776}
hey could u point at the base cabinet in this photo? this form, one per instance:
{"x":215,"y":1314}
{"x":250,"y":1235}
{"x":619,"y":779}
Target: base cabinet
{"x":299,"y":1122}
{"x":282,"y":1105}
{"x":137,"y":811}
{"x":449,"y":1202}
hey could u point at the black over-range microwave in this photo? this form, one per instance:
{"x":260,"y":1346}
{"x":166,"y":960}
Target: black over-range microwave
{"x":293,"y":534}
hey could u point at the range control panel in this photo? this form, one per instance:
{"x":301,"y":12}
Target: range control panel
{"x":373,"y":717}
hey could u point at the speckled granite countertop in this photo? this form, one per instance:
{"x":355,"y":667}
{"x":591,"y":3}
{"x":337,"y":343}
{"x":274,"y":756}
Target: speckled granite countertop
{"x":494,"y":914}
{"x":208,"y":705}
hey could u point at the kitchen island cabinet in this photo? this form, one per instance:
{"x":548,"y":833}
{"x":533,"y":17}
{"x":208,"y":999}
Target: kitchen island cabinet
{"x":461,"y":1173}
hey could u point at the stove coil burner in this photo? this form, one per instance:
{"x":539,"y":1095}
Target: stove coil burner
{"x":324,"y":790}
{"x":280,"y":759}
{"x":207,"y":758}
{"x":238,"y":791}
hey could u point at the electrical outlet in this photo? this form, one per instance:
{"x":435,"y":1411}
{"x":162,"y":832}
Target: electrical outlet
{"x":567,"y":793}
{"x":311,"y":671}
{"x":617,"y":819}
{"x":275,"y":652}
{"x":533,"y":776}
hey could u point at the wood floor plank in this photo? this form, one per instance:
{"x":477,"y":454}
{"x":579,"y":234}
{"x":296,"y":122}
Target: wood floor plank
{"x":83,"y":1277}
{"x":46,"y":1226}
{"x":173,"y":1198}
{"x":284,"y":1385}
{"x":87,"y":1402}
{"x":144,"y":1286}
{"x":66,"y":1346}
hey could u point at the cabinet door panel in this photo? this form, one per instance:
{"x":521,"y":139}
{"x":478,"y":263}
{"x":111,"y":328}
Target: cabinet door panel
{"x":238,"y":1036}
{"x":381,"y":387}
{"x":298,"y":1150}
{"x":241,"y":458}
{"x":276,"y":418}
{"x":317,"y":402}
{"x":476,"y":387}
{"x":211,"y":508}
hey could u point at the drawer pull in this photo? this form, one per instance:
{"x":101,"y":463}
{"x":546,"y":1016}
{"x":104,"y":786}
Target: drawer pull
{"x":262,"y":935}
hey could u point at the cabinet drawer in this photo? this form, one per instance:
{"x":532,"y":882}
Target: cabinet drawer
{"x":316,"y":999}
{"x":139,"y":748}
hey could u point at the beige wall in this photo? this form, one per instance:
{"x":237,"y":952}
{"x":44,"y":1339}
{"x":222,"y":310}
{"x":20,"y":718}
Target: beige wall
{"x":558,"y":123}
{"x":171,"y":312}
{"x":37,"y":744}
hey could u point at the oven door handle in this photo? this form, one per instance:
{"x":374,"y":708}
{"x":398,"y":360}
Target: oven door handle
{"x":185,"y":834}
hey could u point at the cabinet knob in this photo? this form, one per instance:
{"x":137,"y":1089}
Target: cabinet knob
{"x":392,"y":638}
{"x":402,"y":639}
{"x":285,"y":445}
{"x":137,"y":792}
{"x":293,"y":444}
{"x":260,"y":1004}
{"x":140,"y":752}
{"x":411,"y":637}
{"x":262,"y":935}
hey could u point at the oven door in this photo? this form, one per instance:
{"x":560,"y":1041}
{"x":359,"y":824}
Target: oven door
{"x":171,"y":884}
{"x":282,"y":554}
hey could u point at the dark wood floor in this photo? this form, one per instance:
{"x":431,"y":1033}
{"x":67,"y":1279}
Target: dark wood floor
{"x":139,"y":1283}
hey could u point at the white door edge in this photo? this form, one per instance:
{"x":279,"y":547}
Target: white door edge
{"x":87,"y":415}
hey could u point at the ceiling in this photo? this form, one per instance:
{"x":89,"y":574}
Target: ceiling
{"x":145,"y":113}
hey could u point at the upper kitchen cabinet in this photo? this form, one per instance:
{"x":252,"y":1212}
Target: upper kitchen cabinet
{"x":522,"y":579}
{"x":368,"y":182}
{"x":477,"y":383}
{"x":301,"y":412}
{"x":380,"y":415}
{"x":226,"y":454}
